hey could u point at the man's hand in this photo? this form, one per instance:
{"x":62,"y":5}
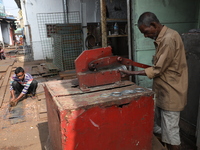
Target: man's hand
{"x":12,"y":99}
{"x":129,"y":73}
{"x":125,"y":73}
{"x":13,"y":102}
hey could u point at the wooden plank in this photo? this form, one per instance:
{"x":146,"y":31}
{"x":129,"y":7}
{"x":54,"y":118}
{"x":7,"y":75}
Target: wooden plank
{"x":69,"y":74}
{"x":45,"y":68}
{"x":7,"y":94}
{"x":49,"y":74}
{"x":17,"y":64}
{"x":1,"y":82}
{"x":4,"y":85}
{"x":4,"y":68}
{"x":7,"y":62}
{"x":27,"y":69}
{"x":34,"y":70}
{"x":41,"y":69}
{"x":12,"y":62}
{"x":51,"y":67}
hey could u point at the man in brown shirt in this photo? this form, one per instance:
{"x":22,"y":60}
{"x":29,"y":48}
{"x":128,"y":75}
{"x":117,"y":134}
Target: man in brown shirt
{"x":169,"y":73}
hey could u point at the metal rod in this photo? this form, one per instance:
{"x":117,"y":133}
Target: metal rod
{"x":103,"y":23}
{"x":64,"y":10}
{"x":129,"y":35}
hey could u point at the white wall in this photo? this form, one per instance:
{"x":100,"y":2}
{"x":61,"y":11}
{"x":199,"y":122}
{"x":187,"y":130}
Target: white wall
{"x":1,"y":35}
{"x":6,"y":33}
{"x":30,"y":9}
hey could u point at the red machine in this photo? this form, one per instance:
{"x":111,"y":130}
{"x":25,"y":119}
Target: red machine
{"x":103,"y":112}
{"x":99,"y":67}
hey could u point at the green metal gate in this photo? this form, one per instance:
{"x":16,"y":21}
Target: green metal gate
{"x":180,"y":15}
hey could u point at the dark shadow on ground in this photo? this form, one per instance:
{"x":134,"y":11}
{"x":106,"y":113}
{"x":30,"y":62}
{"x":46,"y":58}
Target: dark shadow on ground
{"x":43,"y":133}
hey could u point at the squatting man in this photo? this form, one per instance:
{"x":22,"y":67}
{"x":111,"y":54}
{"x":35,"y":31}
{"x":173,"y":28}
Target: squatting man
{"x":21,"y":83}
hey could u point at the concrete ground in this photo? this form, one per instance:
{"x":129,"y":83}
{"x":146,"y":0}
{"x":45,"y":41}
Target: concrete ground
{"x":23,"y":127}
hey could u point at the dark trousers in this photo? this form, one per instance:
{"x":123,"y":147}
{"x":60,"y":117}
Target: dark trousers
{"x":2,"y":56}
{"x":17,"y":87}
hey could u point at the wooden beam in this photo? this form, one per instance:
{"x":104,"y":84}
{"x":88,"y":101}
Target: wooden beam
{"x":4,"y":85}
{"x":103,"y":23}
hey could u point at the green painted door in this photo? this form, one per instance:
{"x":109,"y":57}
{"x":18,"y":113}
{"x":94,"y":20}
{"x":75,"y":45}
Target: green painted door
{"x":180,"y":15}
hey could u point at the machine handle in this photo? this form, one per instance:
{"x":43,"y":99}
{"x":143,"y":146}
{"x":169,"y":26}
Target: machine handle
{"x":128,"y":62}
{"x":113,"y":61}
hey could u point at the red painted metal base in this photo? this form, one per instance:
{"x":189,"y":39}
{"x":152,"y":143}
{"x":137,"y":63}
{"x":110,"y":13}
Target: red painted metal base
{"x":89,"y":121}
{"x":112,"y":128}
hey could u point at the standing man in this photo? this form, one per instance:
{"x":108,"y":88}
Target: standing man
{"x":21,"y":83}
{"x":170,"y":76}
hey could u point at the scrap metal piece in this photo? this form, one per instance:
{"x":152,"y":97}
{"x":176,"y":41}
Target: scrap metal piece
{"x":116,"y":94}
{"x":139,"y":90}
{"x":126,"y":92}
{"x":105,"y":95}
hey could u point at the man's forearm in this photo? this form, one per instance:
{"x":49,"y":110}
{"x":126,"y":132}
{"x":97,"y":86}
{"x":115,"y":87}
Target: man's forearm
{"x":20,"y":96}
{"x":141,"y":72}
{"x":12,"y":94}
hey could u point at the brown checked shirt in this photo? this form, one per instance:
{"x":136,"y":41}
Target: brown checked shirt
{"x":169,"y":71}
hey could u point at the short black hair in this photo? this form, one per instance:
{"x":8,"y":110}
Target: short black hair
{"x":147,"y":18}
{"x":18,"y":70}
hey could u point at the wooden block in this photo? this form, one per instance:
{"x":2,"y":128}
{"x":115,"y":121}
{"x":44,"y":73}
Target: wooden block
{"x":67,"y":73}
